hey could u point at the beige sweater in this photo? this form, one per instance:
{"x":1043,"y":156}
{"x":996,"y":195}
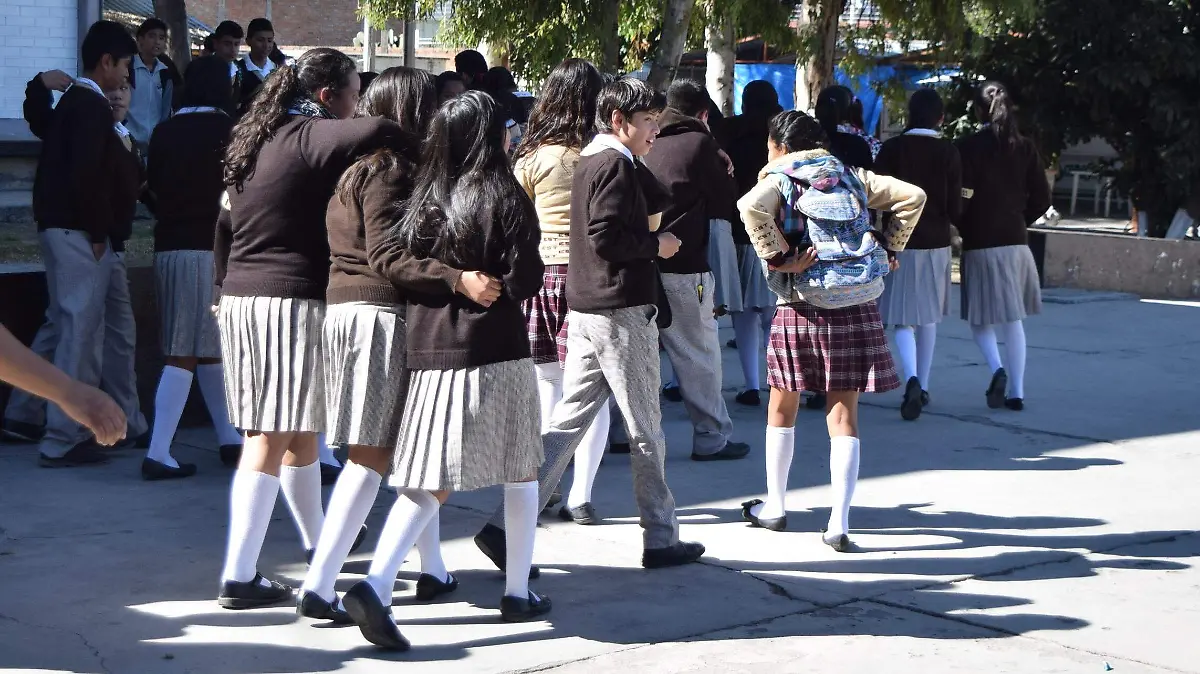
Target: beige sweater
{"x":546,"y":177}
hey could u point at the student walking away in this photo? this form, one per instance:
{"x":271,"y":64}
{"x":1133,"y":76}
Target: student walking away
{"x":560,"y":126}
{"x":449,"y":85}
{"x":806,"y":211}
{"x":186,"y":183}
{"x":467,"y":419}
{"x":917,"y":295}
{"x":365,"y":334}
{"x":254,"y":67}
{"x":745,"y":138}
{"x":612,"y":344}
{"x":1004,"y":191}
{"x":472,"y":67}
{"x":271,"y":265}
{"x":153,"y":82}
{"x":688,"y":163}
{"x":498,"y":82}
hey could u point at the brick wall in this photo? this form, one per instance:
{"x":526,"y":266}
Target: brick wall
{"x":35,"y":35}
{"x":331,"y":23}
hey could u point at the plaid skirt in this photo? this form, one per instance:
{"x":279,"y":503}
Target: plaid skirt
{"x":546,"y":317}
{"x":815,"y":349}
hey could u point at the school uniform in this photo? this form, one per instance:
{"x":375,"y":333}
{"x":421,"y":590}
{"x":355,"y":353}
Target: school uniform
{"x":249,"y":79}
{"x":152,"y":90}
{"x":746,"y":145}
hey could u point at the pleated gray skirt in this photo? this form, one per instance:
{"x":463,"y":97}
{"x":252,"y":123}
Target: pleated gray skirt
{"x":183,"y":281}
{"x":999,"y":285}
{"x":755,"y":293}
{"x":918,"y":293}
{"x":274,"y":374}
{"x":365,"y":376}
{"x":723,"y":261}
{"x":470,"y":428}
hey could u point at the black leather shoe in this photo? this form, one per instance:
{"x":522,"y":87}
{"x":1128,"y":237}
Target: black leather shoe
{"x":840,"y":543}
{"x":237,"y":596}
{"x":20,"y":432}
{"x":618,"y":448}
{"x":997,"y":389}
{"x":584,"y":514}
{"x":156,"y":470}
{"x":731,"y":343}
{"x":815,"y":402}
{"x":312,"y":606}
{"x":555,"y":499}
{"x":86,"y":453}
{"x":518,"y":610}
{"x":1015,"y":404}
{"x":358,"y":541}
{"x":430,"y":588}
{"x":677,"y":555}
{"x":673,"y":394}
{"x":732,"y":451}
{"x":231,"y":455}
{"x":330,"y":474}
{"x":374,"y":619}
{"x":924,"y":398}
{"x":137,"y":442}
{"x":910,"y":409}
{"x":751,"y":398}
{"x":491,"y":542}
{"x":772,"y":524}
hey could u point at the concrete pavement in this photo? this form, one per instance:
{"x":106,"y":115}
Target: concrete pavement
{"x":1060,"y":539}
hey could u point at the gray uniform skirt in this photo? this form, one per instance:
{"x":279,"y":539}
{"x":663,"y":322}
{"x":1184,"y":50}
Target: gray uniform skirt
{"x":274,"y":374}
{"x":1000,"y":285}
{"x":365,"y":376}
{"x":183,"y":281}
{"x":755,"y":293}
{"x":723,"y":261}
{"x":470,"y":428}
{"x":918,"y":293}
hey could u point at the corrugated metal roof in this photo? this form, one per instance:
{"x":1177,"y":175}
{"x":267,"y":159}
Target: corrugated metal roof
{"x":133,"y":12}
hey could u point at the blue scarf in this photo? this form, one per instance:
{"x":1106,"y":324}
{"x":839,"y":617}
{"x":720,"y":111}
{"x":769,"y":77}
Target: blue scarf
{"x":307,"y":107}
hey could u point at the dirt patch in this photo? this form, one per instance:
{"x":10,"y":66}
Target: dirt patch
{"x":19,"y":243}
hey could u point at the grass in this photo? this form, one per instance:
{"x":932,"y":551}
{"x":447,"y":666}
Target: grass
{"x":19,"y":243}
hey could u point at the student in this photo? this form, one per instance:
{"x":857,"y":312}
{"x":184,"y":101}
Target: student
{"x":841,"y":352}
{"x":612,"y":344}
{"x":226,"y":40}
{"x":365,"y":79}
{"x":271,"y":259}
{"x":498,"y":82}
{"x":688,"y":163}
{"x":917,"y":295}
{"x":472,"y":67}
{"x":834,"y":110}
{"x":449,"y":85}
{"x":1004,"y":190}
{"x":559,"y":128}
{"x":856,"y":125}
{"x":153,"y":82}
{"x":467,"y":419}
{"x":364,"y":334}
{"x":254,"y":67}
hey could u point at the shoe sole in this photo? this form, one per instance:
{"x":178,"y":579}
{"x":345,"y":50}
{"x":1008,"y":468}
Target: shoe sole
{"x":679,"y":562}
{"x":566,"y":516}
{"x":910,"y":409}
{"x":525,"y":617}
{"x":720,"y":457}
{"x":45,"y":463}
{"x":840,"y":544}
{"x":239,"y":604}
{"x":997,"y":390}
{"x":363,"y":618}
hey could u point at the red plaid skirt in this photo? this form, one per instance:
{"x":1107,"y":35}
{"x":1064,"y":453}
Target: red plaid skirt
{"x":825,"y":350}
{"x":546,"y":317}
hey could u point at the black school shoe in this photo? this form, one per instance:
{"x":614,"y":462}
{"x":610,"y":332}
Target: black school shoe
{"x":673,"y":394}
{"x":618,"y":448}
{"x":584,"y":514}
{"x":770,"y":524}
{"x":430,"y":587}
{"x":238,"y":596}
{"x":518,"y":610}
{"x":156,"y":470}
{"x":732,"y":451}
{"x":231,"y":455}
{"x":910,"y":409}
{"x":313,"y":606}
{"x":1015,"y":404}
{"x":374,"y":619}
{"x":358,"y":541}
{"x":86,"y":453}
{"x":492,"y":543}
{"x":840,"y":543}
{"x":997,"y":389}
{"x":677,"y":555}
{"x":20,"y":432}
{"x":750,"y":398}
{"x":815,"y":402}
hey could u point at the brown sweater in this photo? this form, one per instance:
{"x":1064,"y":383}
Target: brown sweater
{"x":186,"y":164}
{"x":932,"y":164}
{"x":1004,"y":190}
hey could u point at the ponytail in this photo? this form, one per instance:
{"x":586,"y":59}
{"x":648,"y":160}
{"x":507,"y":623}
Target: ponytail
{"x":834,"y":105}
{"x":994,"y":106}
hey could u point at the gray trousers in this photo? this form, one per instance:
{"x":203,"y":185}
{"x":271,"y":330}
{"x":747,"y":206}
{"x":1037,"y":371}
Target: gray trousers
{"x":694,"y":349}
{"x":613,"y":353}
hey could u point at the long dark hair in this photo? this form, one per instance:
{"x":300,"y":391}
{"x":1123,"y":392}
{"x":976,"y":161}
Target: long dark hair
{"x":207,"y":85}
{"x":465,"y":180}
{"x":994,"y":106}
{"x":406,"y":96}
{"x":316,"y":69}
{"x":834,"y":106}
{"x":566,"y":112}
{"x":795,"y":131}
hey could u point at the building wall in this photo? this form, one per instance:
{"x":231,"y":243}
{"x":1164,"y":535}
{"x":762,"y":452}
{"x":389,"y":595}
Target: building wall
{"x":332,"y":23}
{"x":35,"y":35}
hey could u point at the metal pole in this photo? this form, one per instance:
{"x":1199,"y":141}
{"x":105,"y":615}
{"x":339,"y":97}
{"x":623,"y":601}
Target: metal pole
{"x":88,"y":12}
{"x":410,"y":36}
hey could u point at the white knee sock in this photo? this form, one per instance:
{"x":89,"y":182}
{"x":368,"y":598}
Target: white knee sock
{"x":1013,"y":335}
{"x":926,"y":340}
{"x":587,"y":458}
{"x":251,"y":503}
{"x":173,"y":389}
{"x":747,"y":331}
{"x":549,"y":383}
{"x":410,"y":514}
{"x":843,"y":476}
{"x":212,"y":386}
{"x":906,"y":350}
{"x":349,"y":506}
{"x":780,"y":445}
{"x":325,"y":452}
{"x":985,"y":337}
{"x":429,"y":546}
{"x":302,"y":491}
{"x":520,"y":526}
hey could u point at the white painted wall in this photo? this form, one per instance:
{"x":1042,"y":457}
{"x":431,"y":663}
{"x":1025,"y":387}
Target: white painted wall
{"x":35,"y":35}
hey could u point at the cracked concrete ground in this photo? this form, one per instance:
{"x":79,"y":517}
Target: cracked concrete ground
{"x":1061,"y":539}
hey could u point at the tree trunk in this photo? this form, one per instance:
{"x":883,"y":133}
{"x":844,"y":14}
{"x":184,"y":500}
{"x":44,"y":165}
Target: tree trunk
{"x":718,"y":37}
{"x":174,"y":14}
{"x":676,"y":20}
{"x":610,"y":38}
{"x":820,"y":18}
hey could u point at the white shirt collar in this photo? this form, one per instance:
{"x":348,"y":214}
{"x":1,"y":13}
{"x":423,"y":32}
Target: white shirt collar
{"x":91,"y":85}
{"x":121,"y":130}
{"x":928,"y":133}
{"x":605,"y":141}
{"x":139,"y":63}
{"x":263,"y":71}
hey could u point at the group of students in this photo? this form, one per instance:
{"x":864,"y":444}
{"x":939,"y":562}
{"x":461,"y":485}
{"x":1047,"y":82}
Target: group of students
{"x":383,"y":275}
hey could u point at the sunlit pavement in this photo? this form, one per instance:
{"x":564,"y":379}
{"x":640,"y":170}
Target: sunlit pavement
{"x":1059,"y":539}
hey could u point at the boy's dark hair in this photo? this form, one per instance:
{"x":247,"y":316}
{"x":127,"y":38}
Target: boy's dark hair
{"x":688,"y":97}
{"x":106,"y":37}
{"x":259,"y":25}
{"x":471,"y":63}
{"x":207,"y":44}
{"x":448,"y":76}
{"x":229,"y":29}
{"x":153,"y":23}
{"x":925,"y":109}
{"x":628,"y":95}
{"x":759,"y":99}
{"x":207,"y":84}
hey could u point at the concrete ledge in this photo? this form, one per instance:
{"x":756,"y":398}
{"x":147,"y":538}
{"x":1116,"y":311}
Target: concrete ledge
{"x":1152,"y":268}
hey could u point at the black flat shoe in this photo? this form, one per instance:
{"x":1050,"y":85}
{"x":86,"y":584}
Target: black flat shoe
{"x":751,"y":398}
{"x":618,"y":448}
{"x":732,"y":451}
{"x":731,"y":343}
{"x":815,"y":402}
{"x":329,"y":474}
{"x":491,"y":542}
{"x":137,"y":442}
{"x":358,"y":541}
{"x":518,"y":610}
{"x":20,"y":432}
{"x":910,"y":409}
{"x":374,"y":619}
{"x":86,"y":453}
{"x":584,"y":514}
{"x":1015,"y":404}
{"x":156,"y":470}
{"x":231,"y":455}
{"x":924,"y":398}
{"x":772,"y":524}
{"x":677,"y":555}
{"x":555,"y":499}
{"x":672,"y":394}
{"x":997,"y":389}
{"x":237,"y":596}
{"x":430,"y":588}
{"x":840,"y":543}
{"x":312,"y":606}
